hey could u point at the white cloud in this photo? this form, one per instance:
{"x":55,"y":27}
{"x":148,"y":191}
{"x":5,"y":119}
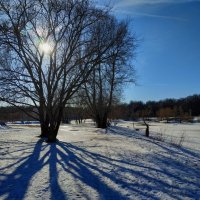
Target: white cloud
{"x":134,"y":13}
{"x":127,"y":3}
{"x":127,"y":7}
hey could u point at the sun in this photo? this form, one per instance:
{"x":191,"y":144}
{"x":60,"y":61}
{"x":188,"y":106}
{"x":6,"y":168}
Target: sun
{"x":45,"y":47}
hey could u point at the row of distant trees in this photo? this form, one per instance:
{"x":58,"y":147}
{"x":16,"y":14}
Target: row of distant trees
{"x":14,"y":114}
{"x":181,"y":109}
{"x":168,"y":109}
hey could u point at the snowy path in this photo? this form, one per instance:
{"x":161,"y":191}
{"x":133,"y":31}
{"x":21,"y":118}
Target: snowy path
{"x":88,"y":164}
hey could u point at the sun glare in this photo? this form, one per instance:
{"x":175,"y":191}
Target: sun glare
{"x":45,"y":47}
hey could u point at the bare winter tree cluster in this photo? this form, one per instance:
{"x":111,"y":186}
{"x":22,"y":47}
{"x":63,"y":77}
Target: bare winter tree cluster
{"x":50,"y":49}
{"x":114,"y":69}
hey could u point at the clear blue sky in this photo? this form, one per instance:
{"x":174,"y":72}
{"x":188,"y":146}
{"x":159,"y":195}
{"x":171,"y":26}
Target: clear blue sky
{"x":168,"y":57}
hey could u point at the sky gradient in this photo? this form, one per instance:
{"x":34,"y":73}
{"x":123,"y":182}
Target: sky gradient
{"x":168,"y":56}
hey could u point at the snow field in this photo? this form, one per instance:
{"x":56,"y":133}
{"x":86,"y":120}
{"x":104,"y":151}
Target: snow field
{"x":88,"y":163}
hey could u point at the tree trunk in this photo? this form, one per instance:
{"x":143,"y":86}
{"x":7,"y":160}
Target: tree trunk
{"x":101,"y":121}
{"x":44,"y":130}
{"x":44,"y":126}
{"x":52,"y":136}
{"x":54,"y":127}
{"x":44,"y":120}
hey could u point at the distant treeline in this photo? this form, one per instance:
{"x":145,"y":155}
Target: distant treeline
{"x":11,"y":114}
{"x":181,"y":109}
{"x":168,"y":108}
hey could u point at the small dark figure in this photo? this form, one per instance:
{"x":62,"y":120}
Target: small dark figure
{"x":107,"y":125}
{"x":147,"y":128}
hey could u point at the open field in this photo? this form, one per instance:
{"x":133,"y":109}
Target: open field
{"x":88,"y":163}
{"x":170,"y":132}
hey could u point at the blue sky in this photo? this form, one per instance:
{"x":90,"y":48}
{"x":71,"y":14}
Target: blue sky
{"x":168,"y":56}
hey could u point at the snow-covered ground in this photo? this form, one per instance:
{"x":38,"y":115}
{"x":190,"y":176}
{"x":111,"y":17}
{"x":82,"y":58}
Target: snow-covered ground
{"x":189,"y":132}
{"x":169,"y":132}
{"x":88,"y":163}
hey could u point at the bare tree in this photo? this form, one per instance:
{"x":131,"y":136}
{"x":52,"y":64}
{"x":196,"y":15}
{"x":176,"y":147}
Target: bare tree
{"x":47,"y":51}
{"x":114,"y":68}
{"x":166,"y":113}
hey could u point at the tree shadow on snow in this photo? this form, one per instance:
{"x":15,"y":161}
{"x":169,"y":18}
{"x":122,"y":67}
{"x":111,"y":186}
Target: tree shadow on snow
{"x":15,"y":184}
{"x":177,"y":167}
{"x":56,"y":191}
{"x":131,"y":177}
{"x":175,"y":178}
{"x":81,"y":170}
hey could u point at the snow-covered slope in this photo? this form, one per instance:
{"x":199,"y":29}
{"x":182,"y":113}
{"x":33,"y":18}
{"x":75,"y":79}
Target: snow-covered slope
{"x":88,"y":163}
{"x":169,"y":132}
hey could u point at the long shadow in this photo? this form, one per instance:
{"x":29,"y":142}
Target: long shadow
{"x":164,"y":145}
{"x":178,"y":165}
{"x":124,"y":132}
{"x":91,"y":174}
{"x":15,"y":184}
{"x":56,"y":191}
{"x":181,"y":172}
{"x":143,"y":176}
{"x":85,"y":173}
